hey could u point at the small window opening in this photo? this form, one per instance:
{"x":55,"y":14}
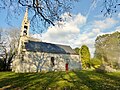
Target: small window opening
{"x":52,"y":61}
{"x":25,"y":27}
{"x":25,"y":30}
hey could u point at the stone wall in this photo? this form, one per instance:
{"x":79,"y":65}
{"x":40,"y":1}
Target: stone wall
{"x":37,"y":62}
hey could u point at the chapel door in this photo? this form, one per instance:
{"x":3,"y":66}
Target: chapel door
{"x":66,"y":66}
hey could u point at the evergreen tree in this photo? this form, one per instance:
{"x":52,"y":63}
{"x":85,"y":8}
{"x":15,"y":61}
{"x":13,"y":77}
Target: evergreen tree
{"x":85,"y":56}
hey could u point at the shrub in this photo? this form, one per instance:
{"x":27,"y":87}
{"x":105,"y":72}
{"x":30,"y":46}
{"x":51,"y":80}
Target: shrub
{"x":95,"y":62}
{"x":105,"y":68}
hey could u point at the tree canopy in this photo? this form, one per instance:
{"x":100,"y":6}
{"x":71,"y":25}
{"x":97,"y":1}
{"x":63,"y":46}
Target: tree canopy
{"x":107,"y":48}
{"x":77,"y":50}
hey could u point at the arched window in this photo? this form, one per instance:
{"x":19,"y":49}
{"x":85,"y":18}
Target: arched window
{"x":52,"y":61}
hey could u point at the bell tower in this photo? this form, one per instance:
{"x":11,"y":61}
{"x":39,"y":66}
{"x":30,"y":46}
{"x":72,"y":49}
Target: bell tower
{"x":24,"y":33}
{"x":25,"y":25}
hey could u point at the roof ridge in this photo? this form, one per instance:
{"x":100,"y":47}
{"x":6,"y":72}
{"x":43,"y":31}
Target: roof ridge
{"x":49,"y":47}
{"x":51,"y":43}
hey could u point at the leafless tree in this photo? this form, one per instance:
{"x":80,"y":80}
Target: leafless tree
{"x":8,"y":46}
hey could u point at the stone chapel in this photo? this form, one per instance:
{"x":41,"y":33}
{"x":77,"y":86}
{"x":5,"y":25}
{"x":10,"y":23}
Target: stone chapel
{"x":35,"y":56}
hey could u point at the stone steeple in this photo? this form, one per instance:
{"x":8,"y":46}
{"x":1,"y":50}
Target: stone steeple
{"x":24,"y":34}
{"x":25,"y":25}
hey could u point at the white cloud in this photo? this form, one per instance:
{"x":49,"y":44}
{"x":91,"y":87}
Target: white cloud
{"x":110,"y":32}
{"x":86,"y":39}
{"x":69,"y":32}
{"x":105,"y":24}
{"x":36,"y":35}
{"x":118,"y":28}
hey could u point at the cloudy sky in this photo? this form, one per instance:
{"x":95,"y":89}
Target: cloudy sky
{"x":86,"y":23}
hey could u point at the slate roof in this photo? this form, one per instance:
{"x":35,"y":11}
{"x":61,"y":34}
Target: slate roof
{"x":48,"y":48}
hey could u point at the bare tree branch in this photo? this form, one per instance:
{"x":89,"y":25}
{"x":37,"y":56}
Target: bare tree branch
{"x":110,"y":7}
{"x":48,"y":11}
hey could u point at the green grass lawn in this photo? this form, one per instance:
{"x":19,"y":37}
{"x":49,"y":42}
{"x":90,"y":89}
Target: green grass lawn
{"x":77,"y":80}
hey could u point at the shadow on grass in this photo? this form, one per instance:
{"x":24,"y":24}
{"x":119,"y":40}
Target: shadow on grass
{"x":77,"y":80}
{"x":99,"y":81}
{"x":40,"y":81}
